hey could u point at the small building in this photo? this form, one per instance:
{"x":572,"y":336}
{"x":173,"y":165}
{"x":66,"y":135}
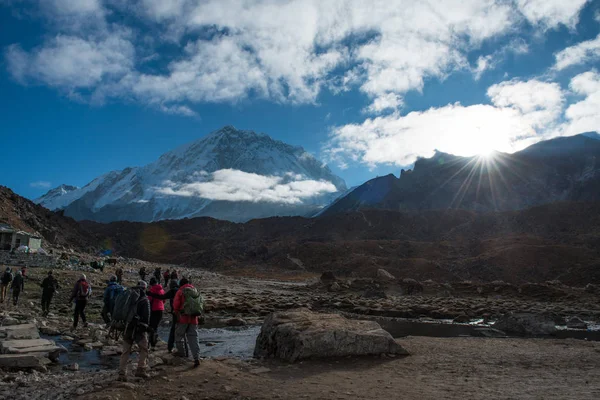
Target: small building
{"x":10,"y":238}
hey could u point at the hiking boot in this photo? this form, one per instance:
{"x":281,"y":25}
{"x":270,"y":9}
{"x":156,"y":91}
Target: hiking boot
{"x":85,"y":325}
{"x":141,"y":374}
{"x":196,"y":363}
{"x":122,"y":378}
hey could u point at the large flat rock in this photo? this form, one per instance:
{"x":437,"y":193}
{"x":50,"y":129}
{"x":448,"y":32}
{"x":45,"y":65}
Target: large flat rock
{"x":23,"y":331}
{"x":23,"y":360}
{"x":25,"y":343}
{"x":301,"y":334}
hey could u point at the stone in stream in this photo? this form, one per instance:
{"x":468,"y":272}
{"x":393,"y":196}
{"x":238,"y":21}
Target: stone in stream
{"x":301,"y":334}
{"x":526,"y":324}
{"x":23,"y":361}
{"x":23,"y":331}
{"x":576,"y":323}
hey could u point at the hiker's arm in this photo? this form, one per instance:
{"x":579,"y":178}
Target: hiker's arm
{"x":178,"y":302}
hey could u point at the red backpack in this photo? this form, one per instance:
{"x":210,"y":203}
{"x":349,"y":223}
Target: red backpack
{"x":84,"y":289}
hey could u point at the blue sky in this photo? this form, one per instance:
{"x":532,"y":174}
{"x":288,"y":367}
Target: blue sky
{"x":90,"y":86}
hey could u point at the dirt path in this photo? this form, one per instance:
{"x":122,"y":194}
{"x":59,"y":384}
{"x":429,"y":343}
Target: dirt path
{"x":455,"y":368}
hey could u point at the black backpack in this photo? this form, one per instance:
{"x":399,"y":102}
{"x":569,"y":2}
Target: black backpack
{"x":7,"y":278}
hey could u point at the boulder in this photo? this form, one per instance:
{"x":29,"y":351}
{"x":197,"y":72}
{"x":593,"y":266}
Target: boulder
{"x":526,"y":324}
{"x":22,"y":331}
{"x":375,"y":293}
{"x":236,"y":322}
{"x":576,"y":323}
{"x":23,"y":361}
{"x":383,"y":275}
{"x":334,"y":287}
{"x":327,"y":278}
{"x":301,"y":334}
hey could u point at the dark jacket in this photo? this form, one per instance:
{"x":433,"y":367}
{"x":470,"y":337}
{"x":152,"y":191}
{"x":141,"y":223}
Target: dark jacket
{"x":110,"y":294}
{"x":136,"y":330}
{"x":49,"y":285}
{"x":18,"y":283}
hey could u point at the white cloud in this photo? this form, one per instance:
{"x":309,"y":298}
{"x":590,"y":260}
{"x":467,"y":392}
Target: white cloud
{"x":540,"y":103}
{"x":70,"y":62}
{"x":551,"y":13}
{"x":389,"y":101}
{"x":584,"y":115}
{"x":41,"y":185}
{"x":483,"y":63}
{"x":580,"y":53}
{"x":520,"y":112}
{"x":283,"y":51}
{"x":235,"y":185}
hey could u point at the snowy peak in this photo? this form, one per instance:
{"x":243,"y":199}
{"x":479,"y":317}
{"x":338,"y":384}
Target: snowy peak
{"x":55,"y":198}
{"x":228,"y":174}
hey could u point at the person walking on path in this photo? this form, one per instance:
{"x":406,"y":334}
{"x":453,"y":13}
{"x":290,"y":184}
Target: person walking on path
{"x":119,"y":274}
{"x":143,"y":273}
{"x":169,"y":295}
{"x":110,"y":295}
{"x":187,"y":306}
{"x":136,"y":332}
{"x":17,"y":286}
{"x":166,"y":276}
{"x":6,"y":279}
{"x":157,"y":274}
{"x":157,"y":307}
{"x":49,"y":288}
{"x":81,"y":292}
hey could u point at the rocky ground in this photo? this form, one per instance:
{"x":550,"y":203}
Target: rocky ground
{"x":437,"y":368}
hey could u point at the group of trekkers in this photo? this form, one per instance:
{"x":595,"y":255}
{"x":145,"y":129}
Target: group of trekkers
{"x":16,"y":281}
{"x":138,"y":311}
{"x":168,"y":275}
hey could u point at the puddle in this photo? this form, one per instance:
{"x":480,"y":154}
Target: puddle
{"x":236,"y":342}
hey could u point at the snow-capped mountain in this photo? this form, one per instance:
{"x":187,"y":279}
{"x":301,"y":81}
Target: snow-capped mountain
{"x":229,"y":174}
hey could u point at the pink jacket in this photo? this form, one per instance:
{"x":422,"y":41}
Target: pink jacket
{"x":156,"y":304}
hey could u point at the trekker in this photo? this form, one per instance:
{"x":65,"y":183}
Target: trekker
{"x":7,"y":278}
{"x":80,"y":295}
{"x":119,"y":274}
{"x":24,"y":272}
{"x":174,"y":275}
{"x":136,"y":332}
{"x":157,"y":274}
{"x":157,"y":307}
{"x":170,"y":295}
{"x":18,"y":286}
{"x":143,"y":273}
{"x":187,"y":306}
{"x":166,"y":276}
{"x":49,"y":288}
{"x":110,"y":295}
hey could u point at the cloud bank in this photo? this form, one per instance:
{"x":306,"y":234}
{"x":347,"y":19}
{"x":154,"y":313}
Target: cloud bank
{"x":235,"y":185}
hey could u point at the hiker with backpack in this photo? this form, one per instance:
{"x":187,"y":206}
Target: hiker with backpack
{"x":143,"y":273}
{"x":166,"y":276}
{"x":157,"y":274}
{"x":7,"y":278}
{"x":110,"y":295}
{"x":188,"y":306}
{"x":49,"y":288}
{"x":174,"y":275}
{"x":157,"y":307}
{"x":17,"y":286}
{"x":132,"y":310}
{"x":81,"y":292}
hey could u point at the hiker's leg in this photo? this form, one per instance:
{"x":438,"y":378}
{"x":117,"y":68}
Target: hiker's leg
{"x":44,"y":303}
{"x":124,"y":357}
{"x":143,"y":355}
{"x":83,"y":304}
{"x":171,"y":341}
{"x":76,"y":315}
{"x":16,"y":296}
{"x":3,"y":292}
{"x":192,"y":339}
{"x":155,"y":317}
{"x":179,"y":336}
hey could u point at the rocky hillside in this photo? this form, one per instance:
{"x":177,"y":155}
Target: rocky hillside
{"x":57,"y":230}
{"x":229,"y":174}
{"x":556,"y":170}
{"x":558,"y":241}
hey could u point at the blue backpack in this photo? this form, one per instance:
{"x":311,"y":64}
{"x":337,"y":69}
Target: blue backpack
{"x":114,"y":292}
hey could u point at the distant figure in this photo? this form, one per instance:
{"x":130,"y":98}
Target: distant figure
{"x":119,"y":274}
{"x":81,"y":292}
{"x":24,"y":272}
{"x":49,"y":288}
{"x":143,"y":274}
{"x":157,"y":274}
{"x":137,"y":333}
{"x":187,"y":305}
{"x":110,"y":295}
{"x":6,"y":279}
{"x":174,"y":275}
{"x":166,"y":276}
{"x":157,"y":307}
{"x":18,"y":286}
